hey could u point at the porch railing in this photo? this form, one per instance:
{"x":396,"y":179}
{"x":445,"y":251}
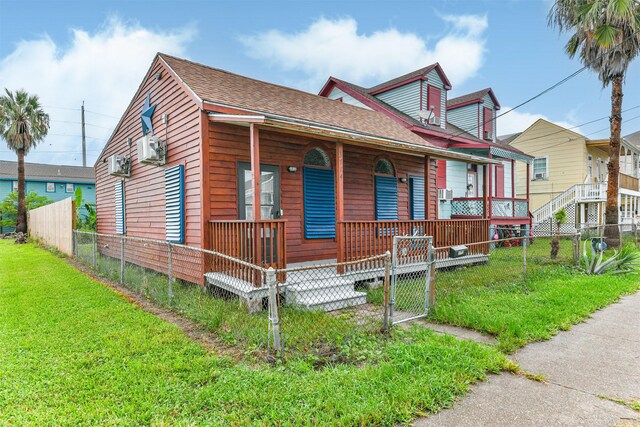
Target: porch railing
{"x":261,"y":243}
{"x":500,"y":207}
{"x":362,"y":239}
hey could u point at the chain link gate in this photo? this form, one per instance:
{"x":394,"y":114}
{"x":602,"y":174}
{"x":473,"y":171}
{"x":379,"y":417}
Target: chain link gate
{"x":412,"y":278}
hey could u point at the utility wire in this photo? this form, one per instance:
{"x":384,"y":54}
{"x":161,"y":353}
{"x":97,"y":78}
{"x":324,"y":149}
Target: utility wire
{"x":549,"y":89}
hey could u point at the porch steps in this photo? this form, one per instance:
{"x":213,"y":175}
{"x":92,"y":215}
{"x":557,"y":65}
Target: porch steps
{"x":328,"y":294}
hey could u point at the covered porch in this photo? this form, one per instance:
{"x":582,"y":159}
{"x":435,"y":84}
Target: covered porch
{"x":324,"y":198}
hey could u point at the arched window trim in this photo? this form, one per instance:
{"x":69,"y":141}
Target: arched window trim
{"x":324,"y":154}
{"x":384,"y":159}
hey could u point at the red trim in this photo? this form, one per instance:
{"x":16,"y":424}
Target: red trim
{"x":469,"y":145}
{"x":499,"y":181}
{"x":487,"y":122}
{"x":443,"y":76}
{"x":473,"y":101}
{"x":430,"y":132}
{"x":326,"y":89}
{"x":395,"y":85}
{"x":442,"y":174}
{"x":435,"y":92}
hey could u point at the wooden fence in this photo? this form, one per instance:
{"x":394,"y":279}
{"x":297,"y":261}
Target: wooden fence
{"x":54,"y":224}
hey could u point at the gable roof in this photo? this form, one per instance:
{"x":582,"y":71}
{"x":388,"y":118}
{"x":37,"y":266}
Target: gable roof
{"x":413,"y":75}
{"x":634,"y":139}
{"x":450,"y":131}
{"x":471,"y":98}
{"x":44,"y":172}
{"x":224,"y":88}
{"x":506,"y":139}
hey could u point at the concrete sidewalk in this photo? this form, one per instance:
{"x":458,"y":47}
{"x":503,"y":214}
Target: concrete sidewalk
{"x":598,"y":357}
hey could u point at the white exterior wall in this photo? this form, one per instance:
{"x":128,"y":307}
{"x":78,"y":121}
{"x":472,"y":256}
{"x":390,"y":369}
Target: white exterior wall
{"x":346,"y":98}
{"x":457,"y":181}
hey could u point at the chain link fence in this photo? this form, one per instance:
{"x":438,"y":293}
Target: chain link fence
{"x":320,"y":311}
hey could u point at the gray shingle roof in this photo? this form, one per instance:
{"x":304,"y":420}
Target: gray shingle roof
{"x":634,"y":138}
{"x":44,"y":172}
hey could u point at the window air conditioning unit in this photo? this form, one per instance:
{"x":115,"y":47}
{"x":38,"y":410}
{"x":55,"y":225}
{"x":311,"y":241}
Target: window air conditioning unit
{"x":119,"y":166}
{"x":488,"y":135}
{"x":152,"y":150}
{"x":434,"y":120}
{"x":540,"y":175}
{"x":445,"y":194}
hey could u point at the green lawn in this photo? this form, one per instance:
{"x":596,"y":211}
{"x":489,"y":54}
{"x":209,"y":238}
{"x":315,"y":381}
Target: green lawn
{"x":73,"y":352}
{"x":494,"y":298}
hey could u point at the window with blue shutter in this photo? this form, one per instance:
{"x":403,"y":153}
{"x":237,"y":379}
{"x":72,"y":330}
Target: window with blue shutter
{"x":120,"y":207}
{"x":386,"y":198}
{"x":174,"y":202}
{"x":319,"y":203}
{"x":416,"y":190}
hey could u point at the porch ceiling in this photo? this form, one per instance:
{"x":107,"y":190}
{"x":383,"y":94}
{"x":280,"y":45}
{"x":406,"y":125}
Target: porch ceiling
{"x":297,"y":126}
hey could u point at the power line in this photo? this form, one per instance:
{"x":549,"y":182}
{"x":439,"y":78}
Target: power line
{"x":549,"y":89}
{"x":576,"y":126}
{"x":574,"y":139}
{"x":79,"y":123}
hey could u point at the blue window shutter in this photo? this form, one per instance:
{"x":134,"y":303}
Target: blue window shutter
{"x":174,"y":197}
{"x":416,"y":188}
{"x":120,"y":207}
{"x":319,"y":203}
{"x":386,"y":198}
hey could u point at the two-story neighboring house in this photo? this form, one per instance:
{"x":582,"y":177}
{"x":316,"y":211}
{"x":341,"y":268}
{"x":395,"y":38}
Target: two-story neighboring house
{"x":56,"y":182}
{"x":570,"y":171}
{"x":419,"y":101}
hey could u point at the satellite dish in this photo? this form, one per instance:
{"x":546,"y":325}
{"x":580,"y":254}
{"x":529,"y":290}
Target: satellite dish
{"x":424,"y":114}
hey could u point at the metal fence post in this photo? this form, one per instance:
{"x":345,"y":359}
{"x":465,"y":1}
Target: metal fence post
{"x":274,"y":319}
{"x":576,"y":247}
{"x":74,"y":242}
{"x":122,"y":260}
{"x":387,"y":283}
{"x":95,"y":252}
{"x":392,"y":296}
{"x":430,"y":300}
{"x":524,"y":263}
{"x":170,"y":272}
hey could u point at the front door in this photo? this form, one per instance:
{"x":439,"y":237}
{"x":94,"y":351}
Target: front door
{"x":472,"y":184}
{"x":269,"y":192}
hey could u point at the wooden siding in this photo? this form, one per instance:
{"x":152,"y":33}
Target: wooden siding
{"x":144,"y":190}
{"x":405,"y":98}
{"x":433,"y":79}
{"x":562,"y":147}
{"x":229,"y":144}
{"x":465,"y":117}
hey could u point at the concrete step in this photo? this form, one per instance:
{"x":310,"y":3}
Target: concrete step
{"x":330,"y":302}
{"x":333,"y":285}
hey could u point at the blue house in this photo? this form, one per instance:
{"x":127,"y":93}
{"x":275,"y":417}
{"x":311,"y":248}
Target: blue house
{"x":56,"y":182}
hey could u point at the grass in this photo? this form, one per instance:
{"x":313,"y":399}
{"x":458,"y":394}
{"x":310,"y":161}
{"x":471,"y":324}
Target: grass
{"x":308,"y":334}
{"x":74,"y":352}
{"x":495,"y":298}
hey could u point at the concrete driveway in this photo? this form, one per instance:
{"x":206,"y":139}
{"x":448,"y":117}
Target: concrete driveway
{"x":600,"y":357}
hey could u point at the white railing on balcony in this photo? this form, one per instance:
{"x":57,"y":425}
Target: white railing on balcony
{"x":575,"y":193}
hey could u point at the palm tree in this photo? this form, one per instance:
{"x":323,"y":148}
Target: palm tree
{"x":606,"y":34}
{"x":23,"y":124}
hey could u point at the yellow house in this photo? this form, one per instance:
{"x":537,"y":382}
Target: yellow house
{"x":570,"y":171}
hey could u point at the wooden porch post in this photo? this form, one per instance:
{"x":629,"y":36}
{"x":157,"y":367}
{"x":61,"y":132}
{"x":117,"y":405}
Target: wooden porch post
{"x":513,"y":186}
{"x":340,"y":200}
{"x":254,"y":139}
{"x":427,"y":188}
{"x":490,"y":187}
{"x":485,"y":191}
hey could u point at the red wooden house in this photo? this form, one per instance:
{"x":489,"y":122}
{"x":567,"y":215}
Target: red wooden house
{"x":200,"y":142}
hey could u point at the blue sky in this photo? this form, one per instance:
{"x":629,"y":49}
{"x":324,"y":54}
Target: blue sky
{"x":68,"y":51}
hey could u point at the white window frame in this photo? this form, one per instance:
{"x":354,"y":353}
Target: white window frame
{"x":53,"y":185}
{"x":590,"y":167}
{"x":546,"y":170}
{"x":14,"y":186}
{"x":66,"y":187}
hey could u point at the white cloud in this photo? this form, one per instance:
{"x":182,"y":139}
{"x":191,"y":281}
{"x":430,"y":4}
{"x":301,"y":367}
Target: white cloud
{"x":517,"y":121}
{"x":335,"y":47}
{"x":103,"y":68}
